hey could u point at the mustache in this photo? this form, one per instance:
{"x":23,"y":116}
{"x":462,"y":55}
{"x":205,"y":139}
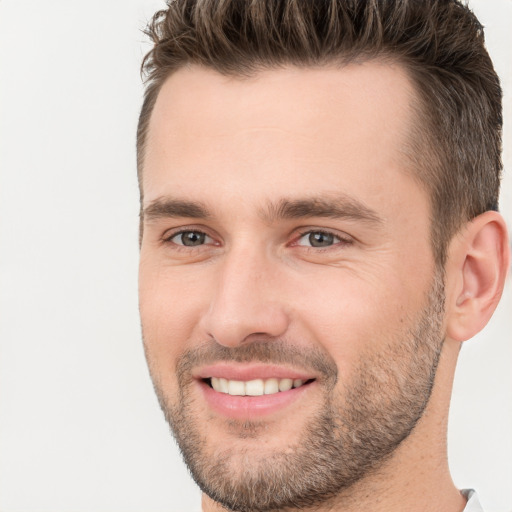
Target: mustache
{"x":274,"y":351}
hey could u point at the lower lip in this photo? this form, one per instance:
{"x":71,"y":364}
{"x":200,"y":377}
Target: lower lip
{"x":247,"y":407}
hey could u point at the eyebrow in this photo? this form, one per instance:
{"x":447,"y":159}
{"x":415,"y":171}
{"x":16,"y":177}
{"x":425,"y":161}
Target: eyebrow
{"x":177,"y":208}
{"x":336,"y":207}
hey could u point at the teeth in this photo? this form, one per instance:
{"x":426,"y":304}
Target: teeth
{"x":257,"y":387}
{"x":254,"y":387}
{"x":236,"y":387}
{"x":271,"y":386}
{"x":215,"y":383}
{"x":223,"y":386}
{"x":285,"y":384}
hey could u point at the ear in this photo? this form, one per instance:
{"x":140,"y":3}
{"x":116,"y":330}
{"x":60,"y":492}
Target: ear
{"x":479,"y":259}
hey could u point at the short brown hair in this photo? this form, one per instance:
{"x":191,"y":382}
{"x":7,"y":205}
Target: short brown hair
{"x":456,"y":147}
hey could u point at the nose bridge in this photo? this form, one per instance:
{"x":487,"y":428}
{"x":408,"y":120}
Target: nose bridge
{"x":246,"y":298}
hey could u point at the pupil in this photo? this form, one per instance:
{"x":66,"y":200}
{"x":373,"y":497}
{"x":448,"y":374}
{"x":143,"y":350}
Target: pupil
{"x":321,"y":239}
{"x":191,"y":238}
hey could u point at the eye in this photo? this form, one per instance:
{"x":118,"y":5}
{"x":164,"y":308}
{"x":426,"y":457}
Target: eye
{"x":321,"y":239}
{"x":190,"y":238}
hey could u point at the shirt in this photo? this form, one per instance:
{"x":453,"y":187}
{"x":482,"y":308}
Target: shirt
{"x":473,"y":505}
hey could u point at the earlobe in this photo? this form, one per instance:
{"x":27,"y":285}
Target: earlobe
{"x":481,"y":261}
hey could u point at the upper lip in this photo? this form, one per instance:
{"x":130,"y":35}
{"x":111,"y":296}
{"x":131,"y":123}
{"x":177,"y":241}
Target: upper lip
{"x":247,"y":372}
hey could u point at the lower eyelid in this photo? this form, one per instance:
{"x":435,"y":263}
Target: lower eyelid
{"x":168,"y":237}
{"x":338,"y":239}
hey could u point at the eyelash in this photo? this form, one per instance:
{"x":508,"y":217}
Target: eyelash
{"x":342,"y":241}
{"x":167,"y":237}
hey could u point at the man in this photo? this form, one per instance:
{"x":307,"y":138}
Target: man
{"x":319,"y":234}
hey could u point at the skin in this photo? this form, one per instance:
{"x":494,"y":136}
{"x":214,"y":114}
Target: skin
{"x":237,"y":145}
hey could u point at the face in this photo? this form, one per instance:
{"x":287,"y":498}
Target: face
{"x":290,"y":307}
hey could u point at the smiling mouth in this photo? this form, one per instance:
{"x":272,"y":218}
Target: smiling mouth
{"x":256,"y":387}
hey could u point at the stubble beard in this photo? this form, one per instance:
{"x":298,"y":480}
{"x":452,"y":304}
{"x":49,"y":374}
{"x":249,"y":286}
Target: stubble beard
{"x":354,"y":432}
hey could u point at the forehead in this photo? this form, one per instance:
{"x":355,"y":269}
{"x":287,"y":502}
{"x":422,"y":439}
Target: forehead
{"x":296,"y":128}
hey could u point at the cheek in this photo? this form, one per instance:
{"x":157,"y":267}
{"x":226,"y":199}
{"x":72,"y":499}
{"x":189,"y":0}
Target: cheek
{"x":170,"y":305}
{"x":351,"y":315}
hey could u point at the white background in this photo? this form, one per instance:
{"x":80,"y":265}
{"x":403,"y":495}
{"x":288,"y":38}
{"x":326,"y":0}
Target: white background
{"x":80,"y":429}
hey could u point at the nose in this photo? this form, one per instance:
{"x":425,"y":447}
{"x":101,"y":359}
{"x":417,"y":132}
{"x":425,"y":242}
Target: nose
{"x":246,"y":302}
